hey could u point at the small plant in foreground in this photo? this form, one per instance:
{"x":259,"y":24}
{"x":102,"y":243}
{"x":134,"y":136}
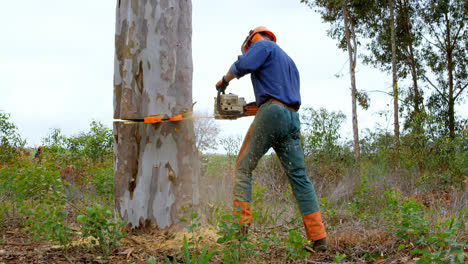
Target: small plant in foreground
{"x":204,"y":257}
{"x":433,"y":246}
{"x":37,"y":193}
{"x":194,"y":228}
{"x":441,"y":246}
{"x":339,"y":257}
{"x":103,"y":231}
{"x":237,"y":244}
{"x":151,"y":260}
{"x":295,"y":245}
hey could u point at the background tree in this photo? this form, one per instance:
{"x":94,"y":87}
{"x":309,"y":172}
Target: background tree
{"x":321,"y":133}
{"x":206,"y":131}
{"x":345,"y":18}
{"x":445,"y":53}
{"x":396,"y":111}
{"x":407,"y":40}
{"x":10,"y":140}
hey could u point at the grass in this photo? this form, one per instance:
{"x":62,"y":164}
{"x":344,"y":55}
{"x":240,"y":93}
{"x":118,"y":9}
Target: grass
{"x":368,"y":217}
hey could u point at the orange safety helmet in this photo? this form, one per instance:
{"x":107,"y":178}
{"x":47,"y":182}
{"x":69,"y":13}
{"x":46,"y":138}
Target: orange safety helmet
{"x":254,"y":37}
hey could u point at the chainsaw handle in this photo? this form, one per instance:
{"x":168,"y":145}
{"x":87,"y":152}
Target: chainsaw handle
{"x":218,"y":102}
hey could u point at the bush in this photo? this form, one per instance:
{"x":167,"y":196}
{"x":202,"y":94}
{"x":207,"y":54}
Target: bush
{"x":434,"y":245}
{"x":98,"y":225}
{"x":321,"y":132}
{"x":94,"y":145}
{"x":36,"y":192}
{"x":10,"y":140}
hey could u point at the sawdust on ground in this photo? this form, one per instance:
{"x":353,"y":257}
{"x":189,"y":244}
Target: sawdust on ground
{"x":162,"y":241}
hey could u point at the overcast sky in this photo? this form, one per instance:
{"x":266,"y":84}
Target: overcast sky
{"x":57,"y":56}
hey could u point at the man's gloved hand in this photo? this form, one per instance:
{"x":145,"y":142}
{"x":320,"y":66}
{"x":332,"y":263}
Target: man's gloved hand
{"x":221,"y":85}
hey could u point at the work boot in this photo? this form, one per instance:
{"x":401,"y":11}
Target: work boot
{"x":320,"y":245}
{"x":243,"y":231}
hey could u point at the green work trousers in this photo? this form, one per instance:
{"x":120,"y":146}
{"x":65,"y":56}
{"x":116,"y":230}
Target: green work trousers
{"x":278,"y":127}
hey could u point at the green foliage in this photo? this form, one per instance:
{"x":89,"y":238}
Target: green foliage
{"x":369,"y":202}
{"x":95,"y":145}
{"x":204,"y":257}
{"x":445,"y":55}
{"x":36,"y":192}
{"x":321,"y":132}
{"x":10,"y":140}
{"x":98,"y":225}
{"x":102,"y":178}
{"x":212,"y":165}
{"x":377,"y":148}
{"x":412,"y":224}
{"x":48,"y":222}
{"x":441,"y":161}
{"x":231,"y":145}
{"x":237,"y":246}
{"x":339,"y":257}
{"x":151,"y":260}
{"x":437,"y":244}
{"x":194,"y":228}
{"x":55,"y":143}
{"x":295,"y":245}
{"x":321,"y":142}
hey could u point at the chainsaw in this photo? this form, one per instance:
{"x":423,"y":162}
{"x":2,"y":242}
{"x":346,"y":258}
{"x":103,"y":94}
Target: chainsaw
{"x":230,"y":107}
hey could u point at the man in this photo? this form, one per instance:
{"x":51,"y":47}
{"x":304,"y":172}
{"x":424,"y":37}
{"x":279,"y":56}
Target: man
{"x":38,"y":154}
{"x":275,"y":79}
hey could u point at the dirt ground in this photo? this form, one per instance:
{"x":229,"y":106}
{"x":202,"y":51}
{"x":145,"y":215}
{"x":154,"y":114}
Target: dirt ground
{"x":137,"y":247}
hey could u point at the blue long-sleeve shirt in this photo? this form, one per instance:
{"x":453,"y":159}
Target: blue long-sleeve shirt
{"x":273,"y":73}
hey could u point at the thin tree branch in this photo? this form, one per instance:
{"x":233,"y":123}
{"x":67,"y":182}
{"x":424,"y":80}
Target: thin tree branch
{"x":435,"y":87}
{"x":459,"y":92}
{"x":440,"y":43}
{"x":387,"y":93}
{"x":456,"y":36}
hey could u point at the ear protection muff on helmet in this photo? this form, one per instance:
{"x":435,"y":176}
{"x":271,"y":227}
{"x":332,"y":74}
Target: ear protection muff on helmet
{"x":247,"y":42}
{"x":254,"y":37}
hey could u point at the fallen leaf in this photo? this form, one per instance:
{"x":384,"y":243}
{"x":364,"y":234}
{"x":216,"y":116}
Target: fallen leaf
{"x":127,"y":252}
{"x":309,"y":249}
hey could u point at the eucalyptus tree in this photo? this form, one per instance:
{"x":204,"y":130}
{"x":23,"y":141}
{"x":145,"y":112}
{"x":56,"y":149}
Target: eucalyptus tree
{"x":346,"y":18}
{"x":155,"y":165}
{"x":405,"y":59}
{"x":445,"y":54}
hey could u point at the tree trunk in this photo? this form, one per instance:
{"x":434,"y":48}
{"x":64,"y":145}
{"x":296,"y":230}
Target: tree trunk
{"x":412,"y":60}
{"x":396,"y":127}
{"x":153,"y":58}
{"x":352,"y":51}
{"x":155,"y":165}
{"x":155,"y":171}
{"x":451,"y":100}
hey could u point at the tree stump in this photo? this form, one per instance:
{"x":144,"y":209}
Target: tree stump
{"x":155,"y":165}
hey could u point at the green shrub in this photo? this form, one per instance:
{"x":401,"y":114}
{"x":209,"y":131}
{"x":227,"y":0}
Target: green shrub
{"x":237,"y":246}
{"x":437,"y":244}
{"x":321,"y":134}
{"x":295,"y":245}
{"x":101,"y":176}
{"x":94,"y":145}
{"x":36,"y":192}
{"x":10,"y":140}
{"x":203,"y":258}
{"x":99,"y":225}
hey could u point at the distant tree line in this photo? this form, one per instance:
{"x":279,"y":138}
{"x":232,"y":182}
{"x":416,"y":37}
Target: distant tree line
{"x":423,"y":44}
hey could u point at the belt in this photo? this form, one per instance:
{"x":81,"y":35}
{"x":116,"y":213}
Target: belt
{"x":278,"y":102}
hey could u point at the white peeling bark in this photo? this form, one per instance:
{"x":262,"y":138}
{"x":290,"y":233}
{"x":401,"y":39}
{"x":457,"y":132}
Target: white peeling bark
{"x":155,"y":165}
{"x":153,"y":58}
{"x":156,"y":172}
